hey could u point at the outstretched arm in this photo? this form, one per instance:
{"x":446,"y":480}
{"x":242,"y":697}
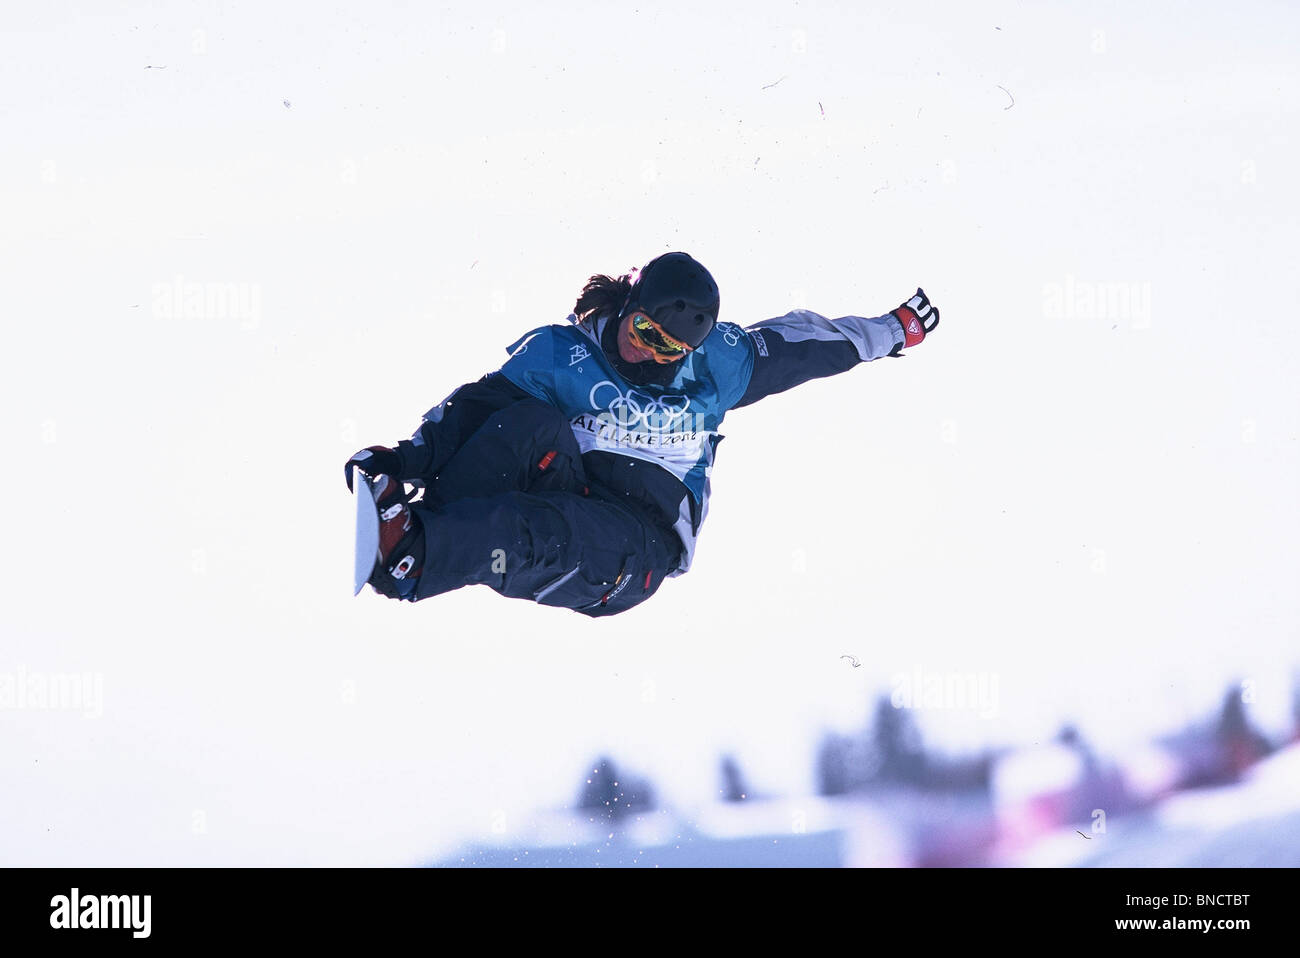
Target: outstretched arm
{"x":802,"y":345}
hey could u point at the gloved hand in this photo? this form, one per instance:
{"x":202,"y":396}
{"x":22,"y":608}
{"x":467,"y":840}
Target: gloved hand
{"x":373,"y":461}
{"x":918,"y":318}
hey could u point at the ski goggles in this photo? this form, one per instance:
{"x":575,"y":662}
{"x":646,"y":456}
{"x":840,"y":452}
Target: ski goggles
{"x":652,"y":336}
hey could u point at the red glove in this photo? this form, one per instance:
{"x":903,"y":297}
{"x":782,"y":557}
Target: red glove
{"x":918,"y":318}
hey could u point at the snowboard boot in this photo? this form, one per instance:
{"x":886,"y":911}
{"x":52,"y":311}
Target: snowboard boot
{"x":401,"y":540}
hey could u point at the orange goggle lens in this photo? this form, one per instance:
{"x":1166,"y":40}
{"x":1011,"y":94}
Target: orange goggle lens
{"x":652,"y":336}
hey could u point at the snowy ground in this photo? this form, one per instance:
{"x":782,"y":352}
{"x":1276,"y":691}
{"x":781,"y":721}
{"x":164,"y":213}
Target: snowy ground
{"x":241,"y":240}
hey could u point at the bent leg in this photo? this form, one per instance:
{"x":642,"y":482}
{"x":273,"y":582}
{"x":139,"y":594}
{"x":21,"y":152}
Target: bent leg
{"x":555,"y":548}
{"x":528,"y":446}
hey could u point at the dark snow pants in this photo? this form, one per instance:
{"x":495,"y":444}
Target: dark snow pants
{"x":513,"y":510}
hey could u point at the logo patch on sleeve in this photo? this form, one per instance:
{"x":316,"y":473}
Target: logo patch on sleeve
{"x":758,"y":342}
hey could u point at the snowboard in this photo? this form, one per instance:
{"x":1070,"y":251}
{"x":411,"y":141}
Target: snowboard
{"x":367,"y":554}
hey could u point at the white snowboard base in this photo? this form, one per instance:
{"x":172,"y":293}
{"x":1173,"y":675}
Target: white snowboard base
{"x":367,"y":534}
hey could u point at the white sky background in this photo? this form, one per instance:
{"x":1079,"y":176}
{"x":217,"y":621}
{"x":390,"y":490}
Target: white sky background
{"x":444,"y":179}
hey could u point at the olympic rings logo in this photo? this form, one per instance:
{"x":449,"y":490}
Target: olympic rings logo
{"x":636,"y":408}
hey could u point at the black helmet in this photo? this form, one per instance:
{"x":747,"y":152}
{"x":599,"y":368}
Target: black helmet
{"x":679,"y":294}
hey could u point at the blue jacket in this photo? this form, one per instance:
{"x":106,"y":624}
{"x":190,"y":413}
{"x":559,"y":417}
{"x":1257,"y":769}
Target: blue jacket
{"x":653,"y":446}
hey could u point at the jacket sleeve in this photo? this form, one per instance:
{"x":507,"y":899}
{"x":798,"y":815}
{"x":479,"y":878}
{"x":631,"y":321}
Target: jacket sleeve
{"x":447,"y":425}
{"x":802,"y":345}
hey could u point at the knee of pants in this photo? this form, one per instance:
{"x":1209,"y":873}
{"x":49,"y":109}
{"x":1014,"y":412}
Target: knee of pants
{"x":641,"y":584}
{"x":641,"y":575}
{"x":532,"y":418}
{"x":528,"y":446}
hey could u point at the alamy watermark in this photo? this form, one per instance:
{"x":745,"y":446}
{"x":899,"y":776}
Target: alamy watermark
{"x":181,"y":299}
{"x":922,"y":689}
{"x":53,"y":691}
{"x":1114,"y":301}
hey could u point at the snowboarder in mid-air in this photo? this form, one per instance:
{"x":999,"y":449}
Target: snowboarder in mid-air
{"x":577,"y":475}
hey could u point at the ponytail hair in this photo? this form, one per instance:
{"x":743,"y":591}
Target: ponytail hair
{"x":602,"y":294}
